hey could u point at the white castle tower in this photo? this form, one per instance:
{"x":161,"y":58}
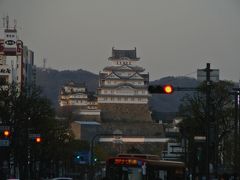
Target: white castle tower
{"x":123,"y":88}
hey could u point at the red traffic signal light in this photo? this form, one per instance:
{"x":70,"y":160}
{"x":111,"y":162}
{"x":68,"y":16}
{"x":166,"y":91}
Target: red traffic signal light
{"x":38,"y":139}
{"x":6,"y":133}
{"x":159,"y":89}
{"x":168,"y":89}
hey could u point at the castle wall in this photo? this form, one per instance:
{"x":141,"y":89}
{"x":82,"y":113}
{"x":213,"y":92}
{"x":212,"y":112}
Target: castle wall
{"x":132,"y":129}
{"x":125,"y":113}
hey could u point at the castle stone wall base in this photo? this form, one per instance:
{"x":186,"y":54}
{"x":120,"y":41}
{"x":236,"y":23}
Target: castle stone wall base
{"x":125,"y":113}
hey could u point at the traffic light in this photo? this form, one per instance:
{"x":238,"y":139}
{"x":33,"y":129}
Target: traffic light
{"x":159,"y":89}
{"x":6,"y":133}
{"x":95,"y":159}
{"x":38,"y":139}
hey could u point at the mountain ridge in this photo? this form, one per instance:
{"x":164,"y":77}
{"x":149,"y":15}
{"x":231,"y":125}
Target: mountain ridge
{"x":51,"y":80}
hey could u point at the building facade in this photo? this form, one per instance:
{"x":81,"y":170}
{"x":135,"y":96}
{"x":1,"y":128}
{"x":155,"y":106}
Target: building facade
{"x":73,"y":94}
{"x":123,"y":88}
{"x":16,"y":60}
{"x":75,"y":98}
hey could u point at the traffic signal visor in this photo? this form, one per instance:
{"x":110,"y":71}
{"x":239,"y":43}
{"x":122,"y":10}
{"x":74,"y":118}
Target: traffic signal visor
{"x":159,"y":89}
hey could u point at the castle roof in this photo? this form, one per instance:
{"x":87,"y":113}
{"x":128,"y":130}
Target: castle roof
{"x":124,"y":54}
{"x":120,"y":68}
{"x":74,"y":84}
{"x":124,"y":84}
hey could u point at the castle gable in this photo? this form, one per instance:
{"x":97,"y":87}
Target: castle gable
{"x":136,"y":76}
{"x":112,"y":76}
{"x":124,"y":68}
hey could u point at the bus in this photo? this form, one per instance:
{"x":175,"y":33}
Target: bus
{"x":143,"y":167}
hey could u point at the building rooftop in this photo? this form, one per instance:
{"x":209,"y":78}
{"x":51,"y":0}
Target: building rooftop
{"x":74,"y":84}
{"x":120,"y":68}
{"x":87,"y":122}
{"x":123,"y":54}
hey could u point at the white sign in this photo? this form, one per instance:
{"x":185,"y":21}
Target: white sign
{"x":202,"y":75}
{"x":5,"y":70}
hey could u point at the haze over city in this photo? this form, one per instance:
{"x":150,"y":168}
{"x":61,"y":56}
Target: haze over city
{"x":172,"y":37}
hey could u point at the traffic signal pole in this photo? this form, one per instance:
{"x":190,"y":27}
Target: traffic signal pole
{"x":210,"y":125}
{"x":208,"y":92}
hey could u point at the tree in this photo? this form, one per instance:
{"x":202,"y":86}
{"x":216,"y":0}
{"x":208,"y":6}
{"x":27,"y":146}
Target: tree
{"x":28,"y":113}
{"x":193,"y":111}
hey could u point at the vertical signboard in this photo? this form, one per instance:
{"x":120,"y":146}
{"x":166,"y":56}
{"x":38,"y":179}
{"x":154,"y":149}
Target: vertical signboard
{"x":214,"y":75}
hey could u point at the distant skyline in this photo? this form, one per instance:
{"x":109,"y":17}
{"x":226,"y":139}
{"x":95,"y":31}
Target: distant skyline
{"x":172,"y":37}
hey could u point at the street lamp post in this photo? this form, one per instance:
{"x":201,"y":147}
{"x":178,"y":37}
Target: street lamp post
{"x":92,"y":148}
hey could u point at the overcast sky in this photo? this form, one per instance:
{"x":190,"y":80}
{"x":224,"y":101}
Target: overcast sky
{"x":172,"y":37}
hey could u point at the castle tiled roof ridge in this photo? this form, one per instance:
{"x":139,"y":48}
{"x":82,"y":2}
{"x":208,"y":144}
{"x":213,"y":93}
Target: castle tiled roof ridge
{"x":125,"y":84}
{"x":114,"y":68}
{"x":74,"y":84}
{"x":104,"y":76}
{"x":122,"y":54}
{"x":63,"y":92}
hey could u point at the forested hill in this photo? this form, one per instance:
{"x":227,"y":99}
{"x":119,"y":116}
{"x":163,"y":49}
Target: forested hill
{"x":52,"y":80}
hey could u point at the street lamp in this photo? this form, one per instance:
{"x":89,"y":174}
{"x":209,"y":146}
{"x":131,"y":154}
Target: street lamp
{"x":99,"y":135}
{"x":116,"y":134}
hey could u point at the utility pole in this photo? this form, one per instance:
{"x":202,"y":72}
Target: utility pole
{"x":208,"y":92}
{"x":236,"y":129}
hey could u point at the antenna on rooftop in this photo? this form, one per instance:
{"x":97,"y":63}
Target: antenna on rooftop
{"x":7,"y":21}
{"x":4,"y":20}
{"x":15,"y":24}
{"x":44,"y":63}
